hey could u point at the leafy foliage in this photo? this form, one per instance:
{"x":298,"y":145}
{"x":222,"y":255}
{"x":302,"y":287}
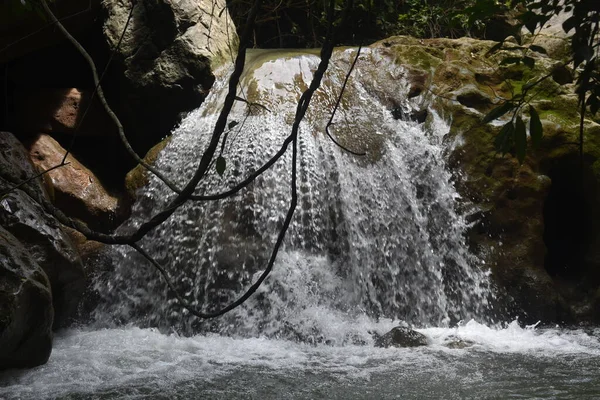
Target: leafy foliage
{"x":584,"y":27}
{"x":303,"y":23}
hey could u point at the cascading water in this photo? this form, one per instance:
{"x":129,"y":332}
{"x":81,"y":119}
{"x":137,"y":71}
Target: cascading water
{"x":374,"y":236}
{"x":375,"y":240}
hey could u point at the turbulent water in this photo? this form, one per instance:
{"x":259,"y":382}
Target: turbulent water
{"x":133,"y":363}
{"x":374,"y":236}
{"x":376,"y":241}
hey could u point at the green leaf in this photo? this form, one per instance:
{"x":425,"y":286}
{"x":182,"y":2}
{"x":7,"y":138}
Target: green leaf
{"x":528,"y":61}
{"x":232,"y":125}
{"x":535,"y":127}
{"x":569,"y":24}
{"x":594,"y":103}
{"x":531,"y":21}
{"x":497,"y":112}
{"x":520,"y":140}
{"x":503,"y":141}
{"x":538,"y":49}
{"x":221,"y":164}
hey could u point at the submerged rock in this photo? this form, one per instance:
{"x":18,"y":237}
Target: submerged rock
{"x":26,"y":312}
{"x":401,"y":336}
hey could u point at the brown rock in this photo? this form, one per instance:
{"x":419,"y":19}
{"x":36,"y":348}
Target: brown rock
{"x":76,"y":189}
{"x":61,"y":111}
{"x":25,"y":219}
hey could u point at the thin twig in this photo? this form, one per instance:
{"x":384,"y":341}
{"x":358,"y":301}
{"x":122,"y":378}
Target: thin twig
{"x":49,"y":24}
{"x":89,"y":105}
{"x":301,"y":109}
{"x":26,"y":181}
{"x":100,"y":92}
{"x":337,"y":103}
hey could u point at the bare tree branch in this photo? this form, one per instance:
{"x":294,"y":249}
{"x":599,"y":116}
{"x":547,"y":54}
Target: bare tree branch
{"x":301,"y":109}
{"x":337,"y":103}
{"x":48,"y":25}
{"x":97,"y":85}
{"x":26,"y":181}
{"x":109,"y":111}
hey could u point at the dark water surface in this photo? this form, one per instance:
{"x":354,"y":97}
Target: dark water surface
{"x":135,"y":363}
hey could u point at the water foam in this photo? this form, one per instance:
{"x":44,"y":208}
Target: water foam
{"x":144,"y":363}
{"x":374,"y":237}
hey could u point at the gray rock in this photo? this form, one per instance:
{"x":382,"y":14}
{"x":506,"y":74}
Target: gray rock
{"x":166,"y":54}
{"x":16,"y":165}
{"x":401,"y":336}
{"x":26,"y":312}
{"x":40,"y":232}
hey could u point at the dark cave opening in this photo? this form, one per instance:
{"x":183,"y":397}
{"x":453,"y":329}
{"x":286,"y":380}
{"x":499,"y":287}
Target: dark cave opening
{"x":568,"y":218}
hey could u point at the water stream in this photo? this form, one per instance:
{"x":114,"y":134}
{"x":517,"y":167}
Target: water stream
{"x":376,"y":241}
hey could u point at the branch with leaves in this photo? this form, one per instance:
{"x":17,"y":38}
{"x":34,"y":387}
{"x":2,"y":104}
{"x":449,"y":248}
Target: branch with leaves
{"x":584,"y":24}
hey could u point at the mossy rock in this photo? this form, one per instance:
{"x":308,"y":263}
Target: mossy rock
{"x":138,"y":177}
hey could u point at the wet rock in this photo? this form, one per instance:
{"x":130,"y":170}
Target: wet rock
{"x":401,"y":336}
{"x":76,"y":190}
{"x":41,"y":233}
{"x":26,"y":312}
{"x":50,"y":247}
{"x":97,"y":260}
{"x":471,"y":96}
{"x":415,"y":115}
{"x":16,"y":165}
{"x":166,"y":55}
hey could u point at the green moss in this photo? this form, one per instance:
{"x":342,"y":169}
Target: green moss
{"x":138,"y":177}
{"x":418,"y":56}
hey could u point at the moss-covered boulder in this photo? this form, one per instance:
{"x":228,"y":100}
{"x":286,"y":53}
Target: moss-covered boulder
{"x":533,"y":223}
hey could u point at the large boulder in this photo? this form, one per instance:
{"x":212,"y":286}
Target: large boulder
{"x":167,"y":55}
{"x":40,"y":232}
{"x":26,"y":311}
{"x":75,"y":189}
{"x":534,"y":224}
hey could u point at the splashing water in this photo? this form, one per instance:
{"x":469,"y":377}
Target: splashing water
{"x":375,"y":240}
{"x":374,"y":237}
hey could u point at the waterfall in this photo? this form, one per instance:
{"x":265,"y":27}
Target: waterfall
{"x":374,"y":238}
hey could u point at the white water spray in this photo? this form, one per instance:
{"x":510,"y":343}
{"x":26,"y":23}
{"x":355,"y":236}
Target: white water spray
{"x":374,"y":237}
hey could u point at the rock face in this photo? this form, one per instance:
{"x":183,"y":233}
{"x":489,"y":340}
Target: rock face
{"x":533,"y":224}
{"x":74,"y":188}
{"x":26,"y":312}
{"x":41,"y":233}
{"x":166,"y":55}
{"x":401,"y":336}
